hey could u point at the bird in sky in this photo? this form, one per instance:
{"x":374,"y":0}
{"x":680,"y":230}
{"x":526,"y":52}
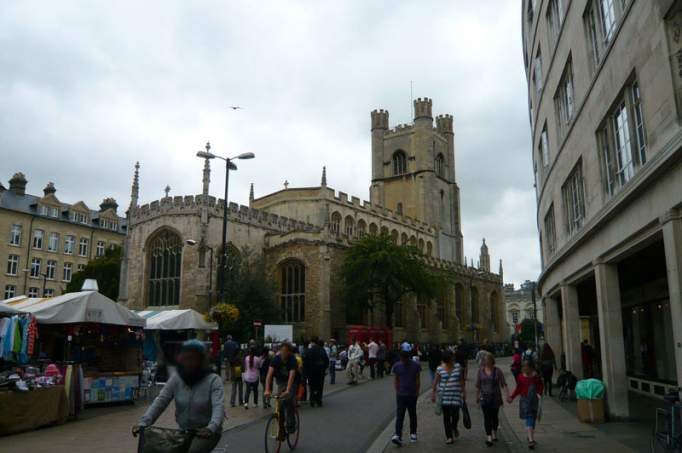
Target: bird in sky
{"x":235,"y":107}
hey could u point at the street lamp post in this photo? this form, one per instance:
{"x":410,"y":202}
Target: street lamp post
{"x":229,"y":165}
{"x":535,"y":315}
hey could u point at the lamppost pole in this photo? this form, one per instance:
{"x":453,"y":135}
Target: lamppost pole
{"x":229,"y":165}
{"x":223,"y":255}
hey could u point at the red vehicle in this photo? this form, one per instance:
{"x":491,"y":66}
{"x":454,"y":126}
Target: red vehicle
{"x":364,"y":333}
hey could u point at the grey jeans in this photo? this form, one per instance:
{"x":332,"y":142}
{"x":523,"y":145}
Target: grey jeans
{"x":200,"y":445}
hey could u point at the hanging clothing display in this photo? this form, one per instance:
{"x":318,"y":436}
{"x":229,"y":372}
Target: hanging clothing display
{"x":17,"y":338}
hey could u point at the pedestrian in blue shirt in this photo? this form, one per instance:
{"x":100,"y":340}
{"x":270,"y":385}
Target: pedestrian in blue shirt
{"x":407,"y":374}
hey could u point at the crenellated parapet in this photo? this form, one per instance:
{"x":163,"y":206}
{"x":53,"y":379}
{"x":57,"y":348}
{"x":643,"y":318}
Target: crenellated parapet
{"x":193,"y":205}
{"x":372,"y":209}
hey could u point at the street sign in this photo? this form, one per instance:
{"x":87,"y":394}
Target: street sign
{"x":257,"y":323}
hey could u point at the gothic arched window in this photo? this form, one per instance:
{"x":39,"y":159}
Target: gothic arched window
{"x":440,"y":165}
{"x":429,"y":248}
{"x":336,"y":223}
{"x":292,"y":291}
{"x":459,"y":302}
{"x":474,"y":305}
{"x":373,"y":229}
{"x":165,"y":263}
{"x":349,"y":226}
{"x":493,"y":311}
{"x":399,"y":162}
{"x":361,"y":228}
{"x":394,"y":236}
{"x":403,"y":239}
{"x":384,"y":230}
{"x":421,"y":245}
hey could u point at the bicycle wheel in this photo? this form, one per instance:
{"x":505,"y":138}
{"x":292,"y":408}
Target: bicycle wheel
{"x":272,"y":442}
{"x":292,"y":439}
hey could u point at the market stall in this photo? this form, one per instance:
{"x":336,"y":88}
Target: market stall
{"x":28,"y":398}
{"x":96,"y":342}
{"x":166,"y":330}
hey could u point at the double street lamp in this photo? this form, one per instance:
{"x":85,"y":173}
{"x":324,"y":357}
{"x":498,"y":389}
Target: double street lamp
{"x":229,"y":165}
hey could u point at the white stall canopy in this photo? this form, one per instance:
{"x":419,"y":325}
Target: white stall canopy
{"x":78,"y":307}
{"x":176,"y":320}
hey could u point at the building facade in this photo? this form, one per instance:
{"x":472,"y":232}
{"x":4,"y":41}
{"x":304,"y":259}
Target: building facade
{"x":604,"y":93}
{"x":519,"y":303}
{"x":303,"y":234}
{"x":46,"y":241}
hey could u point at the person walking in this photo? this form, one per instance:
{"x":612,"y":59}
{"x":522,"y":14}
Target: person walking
{"x":251,"y":375}
{"x":265,"y":359}
{"x":333,"y":357}
{"x":372,"y":349}
{"x":516,"y":365}
{"x":434,"y":359}
{"x":315,"y":363}
{"x":199,"y":399}
{"x":530,"y":389}
{"x":381,"y":359}
{"x":355,"y":355}
{"x":407,"y":383}
{"x":231,"y":351}
{"x":530,"y":355}
{"x":449,"y":387}
{"x":489,"y":385}
{"x":547,"y":367}
{"x":237,"y":382}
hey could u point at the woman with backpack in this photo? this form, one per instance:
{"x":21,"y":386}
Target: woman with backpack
{"x":448,"y":386}
{"x":489,"y":385}
{"x":530,"y":389}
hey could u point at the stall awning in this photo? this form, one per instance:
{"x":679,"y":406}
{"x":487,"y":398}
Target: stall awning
{"x":175,"y":320}
{"x":78,"y":307}
{"x":7,"y":310}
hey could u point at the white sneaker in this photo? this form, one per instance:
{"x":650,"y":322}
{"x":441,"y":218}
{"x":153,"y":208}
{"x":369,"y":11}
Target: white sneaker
{"x":413,"y":438}
{"x":396,"y":440}
{"x":246,"y":405}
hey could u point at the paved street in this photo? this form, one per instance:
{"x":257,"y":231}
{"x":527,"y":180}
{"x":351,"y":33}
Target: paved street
{"x":349,"y":421}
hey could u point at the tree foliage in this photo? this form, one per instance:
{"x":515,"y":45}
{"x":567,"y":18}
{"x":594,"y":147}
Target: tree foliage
{"x":377,"y":270}
{"x":250,"y":291}
{"x":105,"y":269}
{"x":527,"y":334}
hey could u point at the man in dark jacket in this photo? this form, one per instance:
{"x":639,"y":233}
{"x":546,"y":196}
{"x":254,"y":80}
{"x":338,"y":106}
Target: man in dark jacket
{"x":315,"y":364}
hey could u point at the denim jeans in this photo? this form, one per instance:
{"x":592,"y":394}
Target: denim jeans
{"x":251,"y":387}
{"x":409,"y":404}
{"x":332,"y":371}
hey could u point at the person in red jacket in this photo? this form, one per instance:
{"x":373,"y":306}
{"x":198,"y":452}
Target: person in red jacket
{"x":529,"y":387}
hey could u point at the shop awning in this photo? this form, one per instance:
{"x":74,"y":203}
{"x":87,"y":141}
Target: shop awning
{"x":175,"y":320}
{"x":78,"y":307}
{"x":7,"y":310}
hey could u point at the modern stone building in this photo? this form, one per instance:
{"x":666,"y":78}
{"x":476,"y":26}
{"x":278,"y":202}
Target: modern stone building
{"x":519,"y":303}
{"x":45,"y":241}
{"x":304,"y":232}
{"x":605,"y":98}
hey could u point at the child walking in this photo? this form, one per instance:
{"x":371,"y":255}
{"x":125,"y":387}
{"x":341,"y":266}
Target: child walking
{"x":530,"y":388}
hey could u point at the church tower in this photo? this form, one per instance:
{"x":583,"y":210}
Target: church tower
{"x":413,"y":173}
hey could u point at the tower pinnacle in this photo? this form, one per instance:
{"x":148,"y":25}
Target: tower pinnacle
{"x":135,"y":190}
{"x":324,"y":176}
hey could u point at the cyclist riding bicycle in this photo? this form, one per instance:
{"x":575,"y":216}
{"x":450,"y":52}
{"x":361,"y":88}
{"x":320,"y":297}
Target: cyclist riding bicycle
{"x":284,"y":368}
{"x":199,"y":399}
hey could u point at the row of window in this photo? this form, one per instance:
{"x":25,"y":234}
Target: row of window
{"x":53,"y":242}
{"x":35,"y":270}
{"x":600,"y":20}
{"x":359,"y":229}
{"x":399,"y":161}
{"x":441,"y":310}
{"x":77,"y":217}
{"x":621,"y":143}
{"x":516,"y":314}
{"x":11,"y":291}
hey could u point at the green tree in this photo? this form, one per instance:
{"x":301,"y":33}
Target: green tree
{"x":527,"y":334}
{"x":105,"y":269}
{"x":249,"y":288}
{"x":376,"y":270}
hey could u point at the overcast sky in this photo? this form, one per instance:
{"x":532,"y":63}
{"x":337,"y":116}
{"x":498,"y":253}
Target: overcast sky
{"x":88,"y":88}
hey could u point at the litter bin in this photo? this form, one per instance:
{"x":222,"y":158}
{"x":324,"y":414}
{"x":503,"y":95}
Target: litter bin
{"x":590,"y":395}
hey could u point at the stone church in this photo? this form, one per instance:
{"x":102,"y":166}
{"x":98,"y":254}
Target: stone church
{"x":303,"y":234}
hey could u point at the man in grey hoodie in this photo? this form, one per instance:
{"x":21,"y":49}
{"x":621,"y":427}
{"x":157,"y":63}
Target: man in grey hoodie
{"x":199,"y":399}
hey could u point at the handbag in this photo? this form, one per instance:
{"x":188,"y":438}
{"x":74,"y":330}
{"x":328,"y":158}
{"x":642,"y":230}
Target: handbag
{"x":466,"y":418}
{"x":163,"y":440}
